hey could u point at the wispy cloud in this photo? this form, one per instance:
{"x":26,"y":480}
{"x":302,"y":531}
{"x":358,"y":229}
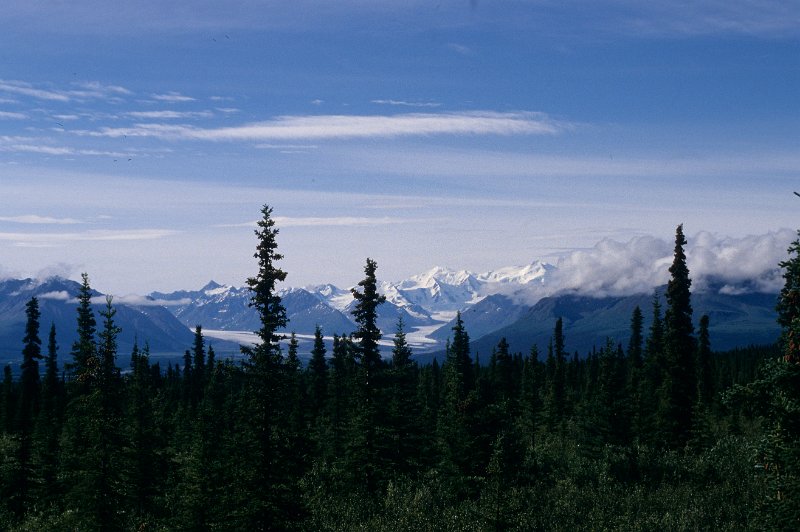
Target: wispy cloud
{"x":404,"y":103}
{"x":337,"y":221}
{"x":771,"y":18}
{"x":169,"y":114}
{"x":459,"y":163}
{"x":287,"y":146}
{"x":87,"y":236}
{"x":36,"y":219}
{"x":172,"y":96}
{"x":26,"y":89}
{"x":459,"y":48}
{"x":85,"y":91}
{"x":98,"y":89}
{"x":144,"y":301}
{"x":59,"y":150}
{"x":348,"y":126}
{"x":8,"y":115}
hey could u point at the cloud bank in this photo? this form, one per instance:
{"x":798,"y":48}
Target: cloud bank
{"x":727,"y":264}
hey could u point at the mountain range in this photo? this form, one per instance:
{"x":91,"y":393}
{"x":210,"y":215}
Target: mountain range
{"x":518,"y":303}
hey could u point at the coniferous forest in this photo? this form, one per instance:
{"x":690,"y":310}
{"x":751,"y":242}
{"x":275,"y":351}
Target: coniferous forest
{"x":663,"y":433}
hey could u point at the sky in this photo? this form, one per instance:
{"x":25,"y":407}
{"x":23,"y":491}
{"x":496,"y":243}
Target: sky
{"x":139,"y":140}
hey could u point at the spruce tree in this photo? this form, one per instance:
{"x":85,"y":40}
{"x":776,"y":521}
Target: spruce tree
{"x":318,"y":375}
{"x":705,"y":377}
{"x":85,"y":366}
{"x":28,"y":407}
{"x":48,"y":425}
{"x":198,"y":365}
{"x":403,"y":408}
{"x":266,"y":495}
{"x":556,"y":398}
{"x":365,"y":448}
{"x":679,"y":387}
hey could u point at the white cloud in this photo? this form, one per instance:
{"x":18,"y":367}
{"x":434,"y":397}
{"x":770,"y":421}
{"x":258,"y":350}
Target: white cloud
{"x":97,"y":89}
{"x":87,"y":236}
{"x":91,"y":90}
{"x":172,"y":96}
{"x":459,"y":48}
{"x":59,"y":150}
{"x":404,"y":103}
{"x":8,"y":115}
{"x":144,"y":301}
{"x":169,"y":114}
{"x":287,"y":146}
{"x":36,"y":219}
{"x":338,"y":221}
{"x":60,"y":295}
{"x":26,"y":89}
{"x":642,"y":264}
{"x":344,"y":126}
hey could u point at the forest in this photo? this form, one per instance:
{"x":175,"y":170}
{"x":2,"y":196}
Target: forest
{"x":663,"y":433}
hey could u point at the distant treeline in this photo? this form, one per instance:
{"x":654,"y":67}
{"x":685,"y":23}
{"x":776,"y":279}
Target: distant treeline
{"x":658,"y":434}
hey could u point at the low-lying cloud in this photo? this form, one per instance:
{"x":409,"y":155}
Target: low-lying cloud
{"x":727,"y":264}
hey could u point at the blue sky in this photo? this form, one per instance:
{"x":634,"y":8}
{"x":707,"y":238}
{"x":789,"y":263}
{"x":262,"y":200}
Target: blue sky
{"x":139,"y":140}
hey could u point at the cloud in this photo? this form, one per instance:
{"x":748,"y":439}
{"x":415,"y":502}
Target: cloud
{"x":339,"y":221}
{"x":36,"y":219}
{"x":768,"y":18}
{"x":97,"y":89}
{"x":144,"y":301}
{"x":172,"y":96}
{"x":344,"y":127}
{"x":26,"y":89}
{"x":86,"y":236}
{"x":60,"y":295}
{"x":59,"y":150}
{"x":406,"y":104}
{"x":459,"y":48}
{"x":460,"y":163}
{"x":287,"y":146}
{"x":7,"y":115}
{"x":86,"y":90}
{"x":729,"y":264}
{"x":169,"y":114}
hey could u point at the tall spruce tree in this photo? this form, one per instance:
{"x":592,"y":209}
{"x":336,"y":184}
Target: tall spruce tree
{"x":28,"y":407}
{"x":365,"y":446}
{"x":266,"y":494}
{"x":705,"y":371}
{"x":48,"y":425}
{"x":85,"y":365}
{"x":556,"y":397}
{"x":679,"y":387}
{"x":403,"y":408}
{"x":318,"y":375}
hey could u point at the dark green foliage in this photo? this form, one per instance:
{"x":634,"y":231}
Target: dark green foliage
{"x":48,"y":426}
{"x":28,"y":410}
{"x":85,"y":366}
{"x":678,"y":389}
{"x":318,"y":375}
{"x":556,"y":398}
{"x":366,"y":452}
{"x":705,"y":377}
{"x":403,"y":428}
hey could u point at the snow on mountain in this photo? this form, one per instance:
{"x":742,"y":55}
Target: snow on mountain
{"x":535,"y":272}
